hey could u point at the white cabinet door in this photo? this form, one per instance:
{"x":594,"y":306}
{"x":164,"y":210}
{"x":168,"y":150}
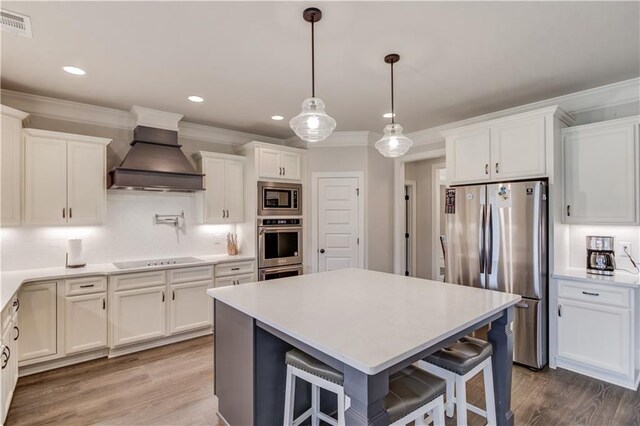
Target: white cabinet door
{"x":518,"y":149}
{"x":234,"y":190}
{"x":10,"y":181}
{"x":45,"y":181}
{"x":6,"y":372}
{"x":244,"y":279}
{"x":290,"y":163}
{"x":138,"y":315}
{"x":594,"y":335}
{"x":468,"y":156}
{"x":269,"y":163}
{"x":214,"y":204}
{"x":37,"y":319}
{"x":85,"y":322}
{"x":86,"y":183}
{"x":601,"y":176}
{"x":191,"y":307}
{"x":225,"y":281}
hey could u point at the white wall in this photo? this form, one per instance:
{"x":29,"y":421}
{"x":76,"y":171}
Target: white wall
{"x":129,"y":233}
{"x":578,"y":245}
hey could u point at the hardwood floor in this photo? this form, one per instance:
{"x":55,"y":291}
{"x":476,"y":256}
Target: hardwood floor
{"x":173,"y":385}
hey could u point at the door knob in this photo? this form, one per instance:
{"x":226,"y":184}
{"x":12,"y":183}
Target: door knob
{"x":321,"y":250}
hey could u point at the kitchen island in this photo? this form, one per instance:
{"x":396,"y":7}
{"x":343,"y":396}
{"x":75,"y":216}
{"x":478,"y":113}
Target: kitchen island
{"x":366,"y":324}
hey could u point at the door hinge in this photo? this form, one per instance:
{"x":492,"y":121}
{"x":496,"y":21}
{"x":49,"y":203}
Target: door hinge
{"x":406,"y":235}
{"x":357,"y":192}
{"x":406,"y":198}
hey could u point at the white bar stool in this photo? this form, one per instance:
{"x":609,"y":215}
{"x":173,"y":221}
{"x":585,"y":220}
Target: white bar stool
{"x":457,"y":364}
{"x":414,"y":394}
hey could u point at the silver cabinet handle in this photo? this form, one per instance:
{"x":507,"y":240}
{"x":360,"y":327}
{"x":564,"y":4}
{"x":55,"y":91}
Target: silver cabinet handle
{"x":497,"y":170}
{"x":486,"y":169}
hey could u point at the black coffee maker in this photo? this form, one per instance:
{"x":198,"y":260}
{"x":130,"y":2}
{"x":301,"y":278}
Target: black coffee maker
{"x":601,"y":259}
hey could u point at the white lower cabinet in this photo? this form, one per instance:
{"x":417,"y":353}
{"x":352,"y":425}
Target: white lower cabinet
{"x":191,"y":307}
{"x":37,"y":317}
{"x":85,"y":322}
{"x":138,"y":315}
{"x":595,"y":331}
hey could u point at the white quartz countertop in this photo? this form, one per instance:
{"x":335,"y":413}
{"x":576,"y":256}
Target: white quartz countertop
{"x":10,"y":281}
{"x":368,"y":320}
{"x":621,"y":278}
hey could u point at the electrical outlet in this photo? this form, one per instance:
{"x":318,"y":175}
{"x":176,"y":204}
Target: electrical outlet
{"x":625,"y":247}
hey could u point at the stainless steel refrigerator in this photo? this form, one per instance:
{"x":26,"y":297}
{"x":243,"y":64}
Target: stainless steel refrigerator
{"x":497,"y":239}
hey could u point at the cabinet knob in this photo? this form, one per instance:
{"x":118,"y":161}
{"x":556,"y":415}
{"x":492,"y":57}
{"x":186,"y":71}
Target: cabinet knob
{"x":321,"y":250}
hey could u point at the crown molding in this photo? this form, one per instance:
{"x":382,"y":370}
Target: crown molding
{"x":632,"y":120}
{"x":153,"y":118}
{"x":60,"y":109}
{"x":66,"y":136}
{"x":611,"y":95}
{"x":12,"y":112}
{"x":222,"y":136}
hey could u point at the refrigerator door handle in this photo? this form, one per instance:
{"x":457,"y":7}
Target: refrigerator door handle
{"x":481,"y":231}
{"x":490,"y":252}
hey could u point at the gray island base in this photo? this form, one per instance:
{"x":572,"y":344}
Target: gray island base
{"x":367,"y":336}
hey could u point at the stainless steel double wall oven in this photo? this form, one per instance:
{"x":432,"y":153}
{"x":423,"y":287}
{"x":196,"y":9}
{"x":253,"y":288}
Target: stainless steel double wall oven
{"x":280,"y":239}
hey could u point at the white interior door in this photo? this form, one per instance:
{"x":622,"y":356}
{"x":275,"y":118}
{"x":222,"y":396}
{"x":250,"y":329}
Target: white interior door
{"x":338,"y":223}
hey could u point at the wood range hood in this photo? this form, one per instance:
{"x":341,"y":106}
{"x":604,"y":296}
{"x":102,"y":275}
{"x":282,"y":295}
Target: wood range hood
{"x":155,"y":161}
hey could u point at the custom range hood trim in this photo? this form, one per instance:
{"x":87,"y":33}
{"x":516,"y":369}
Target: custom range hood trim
{"x":155,"y":161}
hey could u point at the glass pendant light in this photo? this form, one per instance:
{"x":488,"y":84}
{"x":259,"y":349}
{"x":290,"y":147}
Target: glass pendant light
{"x":393,"y":143}
{"x":312,"y":124}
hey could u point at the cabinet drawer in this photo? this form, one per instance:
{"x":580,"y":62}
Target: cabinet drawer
{"x":86,"y":285}
{"x":595,"y":293}
{"x":184,"y":275}
{"x":236,"y":268}
{"x":139,"y":280}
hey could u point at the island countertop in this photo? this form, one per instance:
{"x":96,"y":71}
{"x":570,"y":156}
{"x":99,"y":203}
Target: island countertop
{"x":368,"y":320}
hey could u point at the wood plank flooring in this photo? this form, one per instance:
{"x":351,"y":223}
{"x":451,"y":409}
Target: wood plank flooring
{"x":173,"y":385}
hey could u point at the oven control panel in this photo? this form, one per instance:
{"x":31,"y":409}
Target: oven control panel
{"x":272,"y":222}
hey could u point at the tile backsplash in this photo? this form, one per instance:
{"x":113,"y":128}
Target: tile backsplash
{"x":129,"y":233}
{"x":578,"y":244}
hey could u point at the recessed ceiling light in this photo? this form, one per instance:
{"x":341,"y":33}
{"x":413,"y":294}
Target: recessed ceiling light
{"x":277,"y":117}
{"x":196,"y":99}
{"x":387,"y":115}
{"x":74,"y":70}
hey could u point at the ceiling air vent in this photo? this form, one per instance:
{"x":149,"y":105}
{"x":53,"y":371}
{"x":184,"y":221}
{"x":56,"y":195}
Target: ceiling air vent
{"x":15,"y":23}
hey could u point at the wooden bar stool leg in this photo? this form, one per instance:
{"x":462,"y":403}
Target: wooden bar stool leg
{"x":289,"y":395}
{"x":438,"y":414}
{"x":490,"y":398}
{"x":315,"y":405}
{"x":341,"y":407}
{"x":461,"y":401}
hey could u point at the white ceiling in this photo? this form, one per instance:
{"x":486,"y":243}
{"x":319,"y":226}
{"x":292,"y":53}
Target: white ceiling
{"x":251,"y":60}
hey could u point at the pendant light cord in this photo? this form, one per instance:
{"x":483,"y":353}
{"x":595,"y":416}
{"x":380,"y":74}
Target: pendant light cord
{"x":313,"y":62}
{"x":393,"y":113}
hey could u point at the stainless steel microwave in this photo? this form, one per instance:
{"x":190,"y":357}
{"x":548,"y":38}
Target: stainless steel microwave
{"x":279,"y":199}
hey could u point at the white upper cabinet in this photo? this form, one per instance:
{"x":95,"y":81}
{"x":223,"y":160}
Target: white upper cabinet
{"x":86,"y":174}
{"x":223,"y":198}
{"x":278,"y":164}
{"x":468,"y":156}
{"x":601,"y":167}
{"x":11,"y":158}
{"x":65,"y":178}
{"x":516,"y":147}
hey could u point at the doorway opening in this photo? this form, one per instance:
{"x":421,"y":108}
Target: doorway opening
{"x":410,"y":228}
